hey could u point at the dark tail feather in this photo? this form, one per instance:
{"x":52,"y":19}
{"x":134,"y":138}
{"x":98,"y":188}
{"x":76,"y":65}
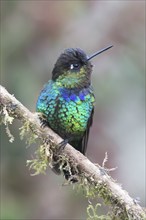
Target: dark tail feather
{"x":80,"y":145}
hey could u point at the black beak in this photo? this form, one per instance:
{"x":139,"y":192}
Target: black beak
{"x":98,"y":52}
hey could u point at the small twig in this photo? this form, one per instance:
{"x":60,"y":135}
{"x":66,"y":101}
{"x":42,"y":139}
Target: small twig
{"x":105,"y":159}
{"x":104,"y":162}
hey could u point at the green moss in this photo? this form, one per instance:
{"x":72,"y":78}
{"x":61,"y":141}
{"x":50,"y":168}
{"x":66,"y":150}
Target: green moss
{"x":6,"y":119}
{"x":39,"y":163}
{"x":27,"y":130}
{"x":92,"y":212}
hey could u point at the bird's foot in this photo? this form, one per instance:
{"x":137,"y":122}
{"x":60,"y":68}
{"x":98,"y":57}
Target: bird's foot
{"x":42,"y":119}
{"x":62,"y":145}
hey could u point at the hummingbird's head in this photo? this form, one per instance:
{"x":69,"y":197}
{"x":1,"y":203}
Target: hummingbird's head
{"x":72,"y":69}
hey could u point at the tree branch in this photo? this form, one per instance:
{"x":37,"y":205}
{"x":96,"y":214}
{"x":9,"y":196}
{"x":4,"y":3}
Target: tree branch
{"x":122,"y":204}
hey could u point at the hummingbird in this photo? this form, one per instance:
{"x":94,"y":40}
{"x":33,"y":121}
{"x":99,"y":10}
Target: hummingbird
{"x":67,"y":100}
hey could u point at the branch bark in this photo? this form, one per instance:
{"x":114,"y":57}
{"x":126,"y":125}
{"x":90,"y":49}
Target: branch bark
{"x":123,"y":205}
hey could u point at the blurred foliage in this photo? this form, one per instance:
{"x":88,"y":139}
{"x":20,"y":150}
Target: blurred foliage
{"x":33,"y":34}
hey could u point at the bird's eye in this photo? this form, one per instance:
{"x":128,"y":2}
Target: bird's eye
{"x":75,"y":66}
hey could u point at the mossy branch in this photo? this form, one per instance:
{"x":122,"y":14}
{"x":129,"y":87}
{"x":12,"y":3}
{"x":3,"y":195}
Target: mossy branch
{"x":89,"y":175}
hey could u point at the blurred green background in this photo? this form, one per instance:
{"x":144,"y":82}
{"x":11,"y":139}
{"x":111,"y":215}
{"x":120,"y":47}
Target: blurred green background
{"x":33,"y":34}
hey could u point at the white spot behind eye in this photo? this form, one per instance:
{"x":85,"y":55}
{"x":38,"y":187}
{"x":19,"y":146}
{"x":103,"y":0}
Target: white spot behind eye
{"x":75,"y":66}
{"x":71,"y":66}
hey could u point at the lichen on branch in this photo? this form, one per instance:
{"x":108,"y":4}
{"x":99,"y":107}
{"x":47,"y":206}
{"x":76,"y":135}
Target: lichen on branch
{"x":90,"y":176}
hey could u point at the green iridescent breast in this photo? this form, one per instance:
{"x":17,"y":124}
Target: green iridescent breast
{"x":67,"y":110}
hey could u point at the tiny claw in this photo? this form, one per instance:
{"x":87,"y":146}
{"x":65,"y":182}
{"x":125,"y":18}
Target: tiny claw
{"x":43,"y":119}
{"x":62,"y":145}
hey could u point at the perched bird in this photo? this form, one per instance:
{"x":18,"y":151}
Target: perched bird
{"x":67,"y":100}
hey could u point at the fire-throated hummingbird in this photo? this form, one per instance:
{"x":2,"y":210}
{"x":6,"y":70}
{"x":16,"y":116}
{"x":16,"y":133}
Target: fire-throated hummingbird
{"x":67,"y":100}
